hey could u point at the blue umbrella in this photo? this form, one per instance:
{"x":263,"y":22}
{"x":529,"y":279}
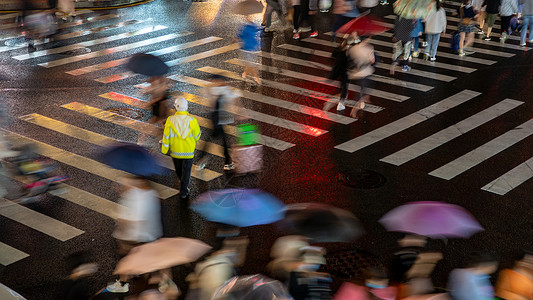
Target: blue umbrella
{"x":133,"y":159}
{"x":239,"y":207}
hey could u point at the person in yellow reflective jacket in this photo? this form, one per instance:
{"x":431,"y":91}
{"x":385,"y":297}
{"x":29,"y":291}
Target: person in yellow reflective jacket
{"x":179,"y":141}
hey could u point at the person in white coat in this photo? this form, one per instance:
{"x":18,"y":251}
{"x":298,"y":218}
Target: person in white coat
{"x":435,"y":25}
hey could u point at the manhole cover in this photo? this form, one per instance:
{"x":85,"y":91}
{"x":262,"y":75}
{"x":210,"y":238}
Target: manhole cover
{"x":349,"y":264}
{"x":127,"y":112}
{"x":76,"y":51}
{"x":15,"y":42}
{"x":361,"y":179}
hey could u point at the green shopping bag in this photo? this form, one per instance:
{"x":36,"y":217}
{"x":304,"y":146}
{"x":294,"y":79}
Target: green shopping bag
{"x":247,"y":134}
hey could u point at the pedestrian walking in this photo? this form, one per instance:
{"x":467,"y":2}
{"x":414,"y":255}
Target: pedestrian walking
{"x":492,"y":8}
{"x":402,"y":43}
{"x":481,"y":14}
{"x":527,"y":21}
{"x":250,"y":37}
{"x":339,"y":70}
{"x":435,"y":25}
{"x":517,"y":283}
{"x":473,"y":282}
{"x":376,"y":287}
{"x":304,"y":11}
{"x":139,"y":220}
{"x":180,"y":136}
{"x":508,"y":9}
{"x":466,"y":27}
{"x":344,"y":11}
{"x":65,"y":9}
{"x":416,"y":34}
{"x":273,"y":5}
{"x":361,"y":59}
{"x":222,"y":98}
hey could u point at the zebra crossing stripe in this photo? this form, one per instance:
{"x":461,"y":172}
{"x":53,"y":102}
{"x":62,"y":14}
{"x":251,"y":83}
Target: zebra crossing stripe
{"x":214,"y":149}
{"x":290,"y":88}
{"x":90,"y":31}
{"x":377,"y":78}
{"x":493,"y":43}
{"x":37,"y":221}
{"x":450,"y":133}
{"x":84,"y":163}
{"x":274,"y":101}
{"x":510,"y":180}
{"x":15,"y":24}
{"x":9,"y":255}
{"x":9,"y":16}
{"x":95,"y":138}
{"x":107,"y":51}
{"x":122,"y":61}
{"x":153,"y":130}
{"x":430,"y":75}
{"x":268,"y":119}
{"x":95,"y":42}
{"x":321,"y":80}
{"x":92,"y":202}
{"x":406,"y":122}
{"x":175,"y":62}
{"x":484,"y":152}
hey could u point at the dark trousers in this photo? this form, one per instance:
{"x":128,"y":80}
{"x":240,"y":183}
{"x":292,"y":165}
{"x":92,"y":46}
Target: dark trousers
{"x":218,"y":132}
{"x":506,"y":20}
{"x":183,"y":170}
{"x":301,"y":14}
{"x":361,"y":82}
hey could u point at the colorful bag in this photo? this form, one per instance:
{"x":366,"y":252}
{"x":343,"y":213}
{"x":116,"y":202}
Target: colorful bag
{"x":247,"y":134}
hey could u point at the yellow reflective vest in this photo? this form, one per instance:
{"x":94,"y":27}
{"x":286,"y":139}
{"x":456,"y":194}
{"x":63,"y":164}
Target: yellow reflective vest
{"x":180,"y":136}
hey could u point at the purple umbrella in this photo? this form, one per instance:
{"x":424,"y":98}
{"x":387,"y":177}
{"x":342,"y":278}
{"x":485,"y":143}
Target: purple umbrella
{"x":431,"y":219}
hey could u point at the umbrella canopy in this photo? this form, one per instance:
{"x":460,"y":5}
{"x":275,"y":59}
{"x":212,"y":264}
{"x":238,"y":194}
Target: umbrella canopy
{"x":365,"y":25}
{"x":147,"y":64}
{"x":161,"y":254}
{"x":132,"y":158}
{"x":414,"y":9}
{"x":252,"y":287}
{"x":321,"y":223}
{"x":432,"y":219}
{"x":239,"y":207}
{"x":248,"y":7}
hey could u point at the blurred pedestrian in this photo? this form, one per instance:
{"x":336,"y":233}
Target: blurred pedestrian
{"x":77,"y":286}
{"x":65,"y":9}
{"x":435,"y":25}
{"x":375,"y":287}
{"x":527,"y":21}
{"x":139,"y":219}
{"x":466,"y":27}
{"x":402,"y":43}
{"x":405,"y":256}
{"x":340,"y":70}
{"x":344,"y":11}
{"x":210,"y":274}
{"x":508,"y":9}
{"x":304,"y":12}
{"x":416,"y":34}
{"x":273,"y":6}
{"x":481,"y":14}
{"x":180,"y":136}
{"x":492,"y":10}
{"x":286,"y":256}
{"x":517,"y":283}
{"x":160,"y":102}
{"x":473,"y":282}
{"x":222,"y":98}
{"x":250,"y":37}
{"x":361,"y":59}
{"x":305,"y":283}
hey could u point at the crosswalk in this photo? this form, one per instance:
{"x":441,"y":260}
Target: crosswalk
{"x":288,"y":107}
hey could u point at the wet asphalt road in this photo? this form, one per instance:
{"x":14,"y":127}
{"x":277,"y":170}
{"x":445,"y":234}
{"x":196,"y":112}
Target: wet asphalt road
{"x":305,"y":172}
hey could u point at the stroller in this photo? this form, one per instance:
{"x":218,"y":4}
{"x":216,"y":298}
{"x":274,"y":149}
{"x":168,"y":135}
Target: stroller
{"x":39,"y":175}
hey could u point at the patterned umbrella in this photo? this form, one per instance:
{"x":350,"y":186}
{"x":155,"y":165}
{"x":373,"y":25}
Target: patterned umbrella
{"x":414,"y":9}
{"x":432,"y":219}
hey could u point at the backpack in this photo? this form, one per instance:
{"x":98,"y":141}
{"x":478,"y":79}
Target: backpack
{"x":454,"y":44}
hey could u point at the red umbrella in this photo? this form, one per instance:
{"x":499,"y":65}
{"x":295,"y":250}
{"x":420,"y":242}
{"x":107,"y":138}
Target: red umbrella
{"x":365,"y":25}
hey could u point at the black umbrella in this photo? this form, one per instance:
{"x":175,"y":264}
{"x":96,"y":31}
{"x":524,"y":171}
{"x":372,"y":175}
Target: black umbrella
{"x":147,"y":64}
{"x":131,"y":158}
{"x":321,"y":223}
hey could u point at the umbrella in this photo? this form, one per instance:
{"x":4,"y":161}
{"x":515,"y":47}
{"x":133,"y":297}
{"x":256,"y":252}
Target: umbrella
{"x":147,"y":64}
{"x":131,"y":158}
{"x":239,"y":207}
{"x":365,"y":25}
{"x":248,"y":7}
{"x":414,"y":9}
{"x":160,"y":254}
{"x":432,"y":219}
{"x":321,"y":223}
{"x":252,"y":287}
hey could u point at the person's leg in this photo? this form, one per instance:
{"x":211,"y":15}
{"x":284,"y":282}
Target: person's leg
{"x":523,"y":33}
{"x":505,"y":24}
{"x":416,"y":41}
{"x":268,"y":14}
{"x":363,"y":97}
{"x":434,"y":44}
{"x":406,"y":52}
{"x":469,"y":39}
{"x":227,"y":157}
{"x":429,"y":40}
{"x":530,"y":22}
{"x":178,"y":163}
{"x":186,"y":167}
{"x":296,"y":17}
{"x":462,"y":36}
{"x":396,"y":52}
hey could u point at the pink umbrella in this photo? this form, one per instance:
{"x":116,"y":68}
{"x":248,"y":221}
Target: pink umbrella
{"x":432,"y":219}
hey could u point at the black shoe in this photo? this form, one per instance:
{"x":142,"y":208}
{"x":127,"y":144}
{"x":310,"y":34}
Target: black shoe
{"x":186,"y":195}
{"x":31,"y":48}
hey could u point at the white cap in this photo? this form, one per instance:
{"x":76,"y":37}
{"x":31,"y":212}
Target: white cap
{"x":181,"y":104}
